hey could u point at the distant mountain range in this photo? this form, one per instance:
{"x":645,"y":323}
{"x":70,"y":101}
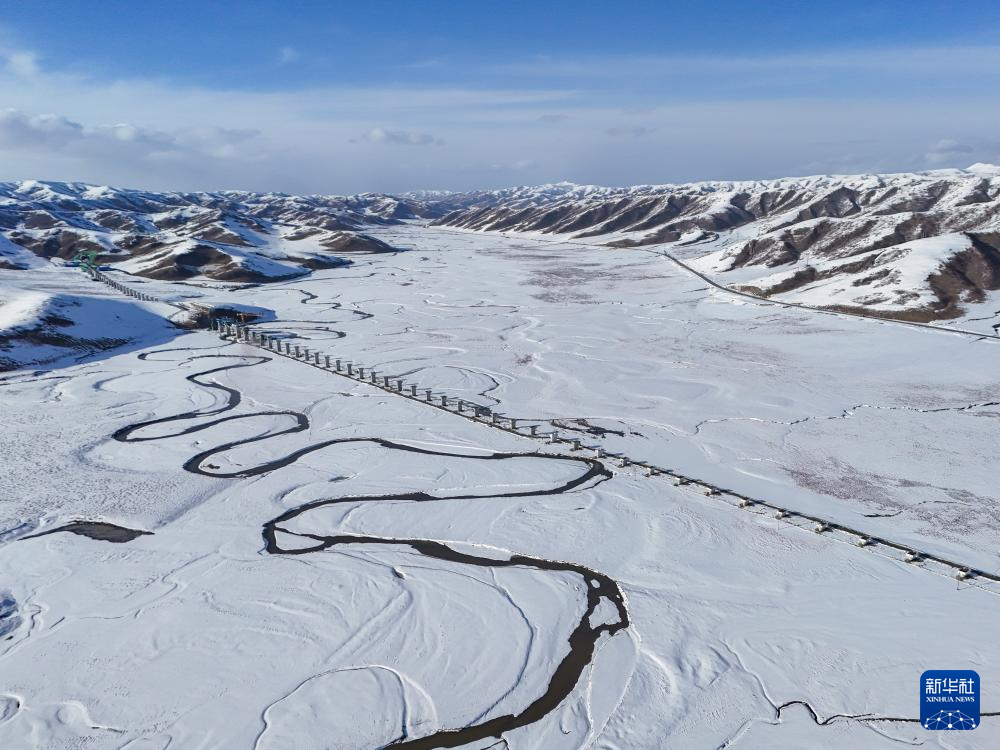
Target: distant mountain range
{"x":920,"y":246}
{"x":912,"y":246}
{"x":228,"y":236}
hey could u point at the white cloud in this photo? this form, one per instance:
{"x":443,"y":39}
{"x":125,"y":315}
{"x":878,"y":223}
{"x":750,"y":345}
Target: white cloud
{"x":404,"y":137}
{"x":430,"y":63}
{"x":19,"y":130}
{"x":49,"y":132}
{"x":288,"y":55}
{"x":908,"y":60}
{"x":161,"y":134}
{"x":947,"y":150}
{"x":625,"y":131}
{"x":22,"y":63}
{"x":521,"y":165}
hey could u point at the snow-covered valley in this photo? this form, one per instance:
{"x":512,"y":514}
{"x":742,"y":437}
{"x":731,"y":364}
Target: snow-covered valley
{"x":912,"y":246}
{"x":333,"y":565}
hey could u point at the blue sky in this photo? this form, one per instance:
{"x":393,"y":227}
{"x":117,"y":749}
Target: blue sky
{"x":389,"y":96}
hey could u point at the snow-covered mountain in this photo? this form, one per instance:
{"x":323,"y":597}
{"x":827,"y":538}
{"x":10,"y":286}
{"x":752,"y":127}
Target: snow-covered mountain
{"x":918,"y":246}
{"x":921,"y":246}
{"x":39,"y":328}
{"x":232,"y":236}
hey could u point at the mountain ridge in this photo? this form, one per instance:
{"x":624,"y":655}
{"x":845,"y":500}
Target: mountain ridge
{"x":918,"y":246}
{"x":227,"y":235}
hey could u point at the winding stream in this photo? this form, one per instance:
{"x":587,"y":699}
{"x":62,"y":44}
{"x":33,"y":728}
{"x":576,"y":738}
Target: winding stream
{"x":584,"y":638}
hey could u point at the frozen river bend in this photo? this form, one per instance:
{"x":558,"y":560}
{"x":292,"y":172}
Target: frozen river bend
{"x":333,"y":566}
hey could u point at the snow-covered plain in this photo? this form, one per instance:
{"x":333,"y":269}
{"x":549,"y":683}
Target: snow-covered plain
{"x":740,"y":628}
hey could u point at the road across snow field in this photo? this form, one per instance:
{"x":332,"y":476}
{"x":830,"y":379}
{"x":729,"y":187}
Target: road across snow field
{"x":470,"y":410}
